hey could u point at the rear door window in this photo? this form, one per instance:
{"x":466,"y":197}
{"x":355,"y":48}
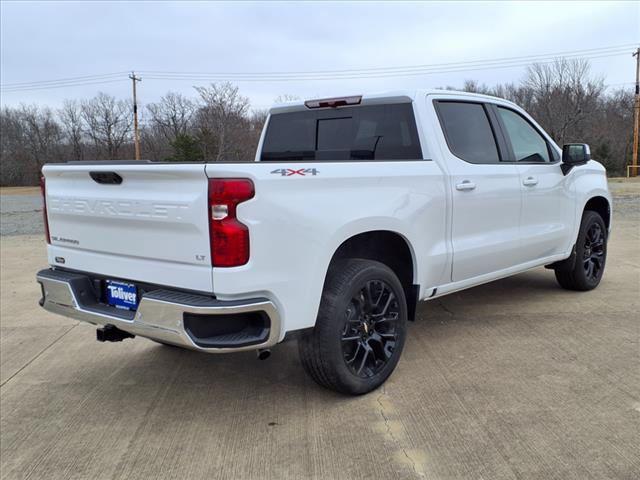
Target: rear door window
{"x":468,"y":131}
{"x":376,"y":132}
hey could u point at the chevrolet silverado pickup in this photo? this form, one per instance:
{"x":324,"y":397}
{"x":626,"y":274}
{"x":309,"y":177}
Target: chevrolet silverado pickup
{"x":355,"y":209}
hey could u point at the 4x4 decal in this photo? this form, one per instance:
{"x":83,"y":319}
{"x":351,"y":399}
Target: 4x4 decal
{"x":288,"y":172}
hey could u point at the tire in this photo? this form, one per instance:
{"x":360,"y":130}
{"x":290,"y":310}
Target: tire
{"x":360,"y":330}
{"x":591,"y":255}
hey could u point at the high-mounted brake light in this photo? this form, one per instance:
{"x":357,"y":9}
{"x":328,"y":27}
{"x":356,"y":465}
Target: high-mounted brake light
{"x":333,"y":102}
{"x":43,"y":189}
{"x":229,"y":238}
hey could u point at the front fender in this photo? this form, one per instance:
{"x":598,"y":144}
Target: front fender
{"x":589,"y":181}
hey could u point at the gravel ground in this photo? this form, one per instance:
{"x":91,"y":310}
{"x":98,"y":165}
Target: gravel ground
{"x":20,"y":214}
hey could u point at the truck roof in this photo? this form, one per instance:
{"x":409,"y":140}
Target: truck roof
{"x":396,"y":96}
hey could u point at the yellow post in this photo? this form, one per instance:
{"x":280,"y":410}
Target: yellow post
{"x":636,"y":118}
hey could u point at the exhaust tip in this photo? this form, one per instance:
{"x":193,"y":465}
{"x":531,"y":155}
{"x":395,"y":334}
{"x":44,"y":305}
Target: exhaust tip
{"x":264,"y":353}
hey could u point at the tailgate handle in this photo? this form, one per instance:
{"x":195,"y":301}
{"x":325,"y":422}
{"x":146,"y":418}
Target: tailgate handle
{"x":107,"y":178}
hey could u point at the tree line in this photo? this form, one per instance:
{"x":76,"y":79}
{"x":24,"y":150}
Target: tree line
{"x":217,"y":124}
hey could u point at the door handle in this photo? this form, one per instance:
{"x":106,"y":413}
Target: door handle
{"x":530,"y":181}
{"x":465,"y":185}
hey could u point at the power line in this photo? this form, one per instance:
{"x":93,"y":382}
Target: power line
{"x":619,"y":84}
{"x":47,"y":87}
{"x":63,"y":80}
{"x":610,"y":49}
{"x":424,"y":72}
{"x":347,"y":74}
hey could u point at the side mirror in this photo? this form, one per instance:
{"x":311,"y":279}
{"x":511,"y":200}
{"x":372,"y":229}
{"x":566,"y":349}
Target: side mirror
{"x":574,"y":154}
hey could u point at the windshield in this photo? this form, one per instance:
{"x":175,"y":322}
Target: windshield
{"x":376,"y":132}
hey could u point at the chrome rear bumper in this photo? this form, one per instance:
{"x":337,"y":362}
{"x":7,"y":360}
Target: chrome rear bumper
{"x":161,"y":313}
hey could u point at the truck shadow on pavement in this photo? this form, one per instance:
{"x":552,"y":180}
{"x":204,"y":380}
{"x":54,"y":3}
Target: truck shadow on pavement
{"x":243,"y":374}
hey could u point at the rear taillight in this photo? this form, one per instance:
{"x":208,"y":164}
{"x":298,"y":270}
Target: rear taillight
{"x":43,"y":189}
{"x":229,"y":238}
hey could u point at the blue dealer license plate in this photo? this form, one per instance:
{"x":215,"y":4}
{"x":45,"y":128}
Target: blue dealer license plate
{"x":122,"y":295}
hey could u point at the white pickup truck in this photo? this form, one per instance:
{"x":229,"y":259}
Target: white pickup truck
{"x":355,"y":209}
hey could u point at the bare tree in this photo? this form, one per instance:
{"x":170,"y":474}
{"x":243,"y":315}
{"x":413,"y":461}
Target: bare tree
{"x":108,"y":124}
{"x":563,"y":95}
{"x":170,"y":121}
{"x":72,"y":125}
{"x":41,"y":136}
{"x":172,"y":115}
{"x":257,"y":118}
{"x":474,"y":86}
{"x":610,"y":131}
{"x":221,"y":119}
{"x":153,"y":143}
{"x":13,"y":152}
{"x":286,"y":97}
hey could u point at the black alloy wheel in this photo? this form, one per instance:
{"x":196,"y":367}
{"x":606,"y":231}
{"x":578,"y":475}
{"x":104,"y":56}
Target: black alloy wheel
{"x":593,"y":255}
{"x":370,"y":334}
{"x":585,"y":270}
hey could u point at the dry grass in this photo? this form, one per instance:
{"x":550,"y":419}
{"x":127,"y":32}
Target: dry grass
{"x":19,"y":190}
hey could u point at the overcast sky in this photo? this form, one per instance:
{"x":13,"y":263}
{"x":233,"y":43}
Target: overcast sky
{"x":51,"y":40}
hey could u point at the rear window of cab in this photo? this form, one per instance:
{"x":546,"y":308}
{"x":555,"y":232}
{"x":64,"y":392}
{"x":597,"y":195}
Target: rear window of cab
{"x":368,"y":132}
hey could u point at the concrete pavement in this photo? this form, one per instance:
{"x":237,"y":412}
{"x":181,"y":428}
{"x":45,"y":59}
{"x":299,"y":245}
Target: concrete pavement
{"x":514,"y":379}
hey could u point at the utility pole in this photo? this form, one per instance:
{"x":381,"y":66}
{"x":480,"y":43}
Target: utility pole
{"x":136,"y":134}
{"x":636,"y":118}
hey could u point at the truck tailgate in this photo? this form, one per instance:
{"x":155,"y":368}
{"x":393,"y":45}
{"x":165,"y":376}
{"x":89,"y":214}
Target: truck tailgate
{"x":151,"y":227}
